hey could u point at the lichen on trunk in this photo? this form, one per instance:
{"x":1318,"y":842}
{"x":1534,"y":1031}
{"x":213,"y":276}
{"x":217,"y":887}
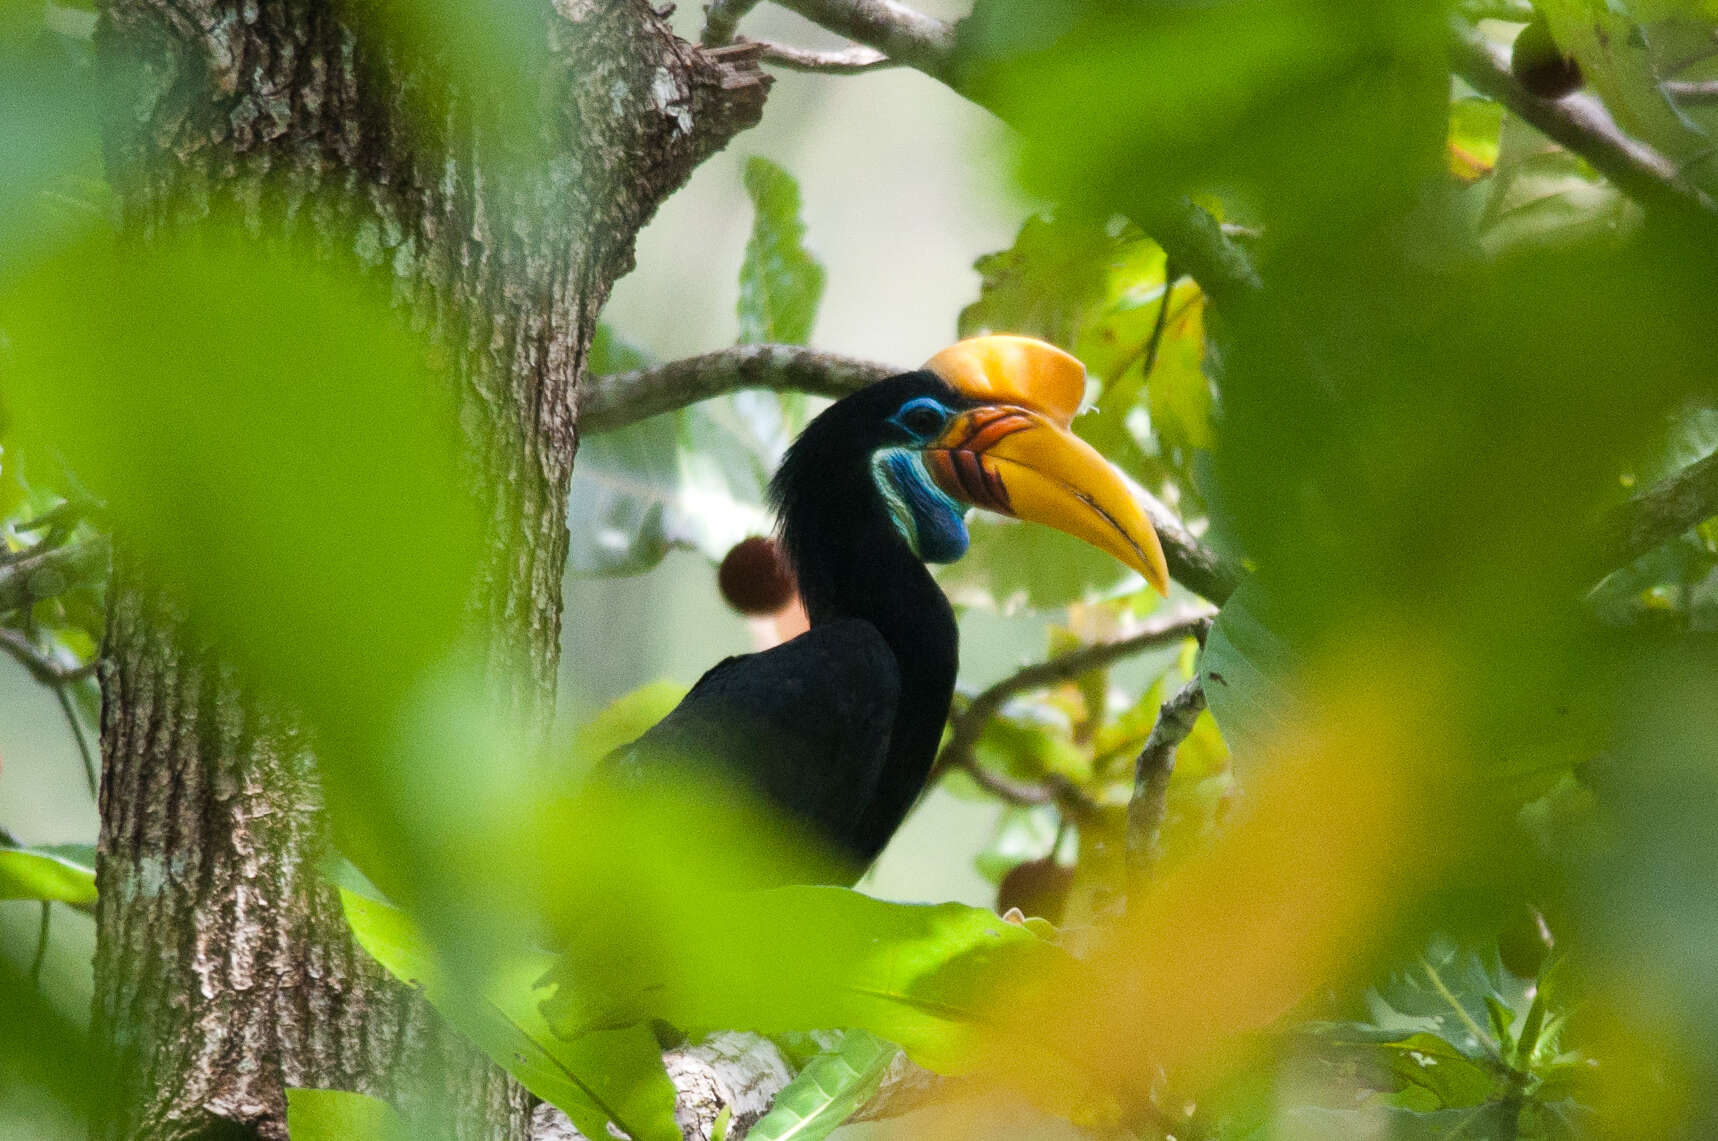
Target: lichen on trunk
{"x":224,"y":970}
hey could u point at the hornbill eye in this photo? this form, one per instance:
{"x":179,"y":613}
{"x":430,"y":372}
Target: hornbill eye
{"x":923,"y":417}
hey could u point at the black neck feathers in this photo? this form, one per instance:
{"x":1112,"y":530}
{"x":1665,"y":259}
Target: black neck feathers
{"x":851,"y":562}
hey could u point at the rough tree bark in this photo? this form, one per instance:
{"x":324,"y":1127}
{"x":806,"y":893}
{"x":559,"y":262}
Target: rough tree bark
{"x":224,"y":972}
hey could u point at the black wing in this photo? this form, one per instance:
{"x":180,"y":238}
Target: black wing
{"x":806,"y":724}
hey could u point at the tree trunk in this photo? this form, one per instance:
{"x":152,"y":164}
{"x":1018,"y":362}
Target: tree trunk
{"x":224,"y":972}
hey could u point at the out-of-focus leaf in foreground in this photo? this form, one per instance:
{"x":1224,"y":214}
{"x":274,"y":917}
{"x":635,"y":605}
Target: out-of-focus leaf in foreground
{"x":1304,"y":102}
{"x":33,"y":874}
{"x":613,"y":1076}
{"x":340,"y":1115}
{"x":930,"y":978}
{"x":278,"y":455}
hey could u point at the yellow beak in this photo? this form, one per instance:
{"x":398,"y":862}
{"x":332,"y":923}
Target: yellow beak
{"x":1016,"y":461}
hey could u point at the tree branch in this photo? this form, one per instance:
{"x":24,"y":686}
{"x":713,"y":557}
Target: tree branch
{"x":1662,"y":512}
{"x":1581,"y":123}
{"x":903,"y":34}
{"x":1191,"y":563}
{"x":743,"y":1073}
{"x":967,"y":726}
{"x":619,"y":399}
{"x":43,"y":668}
{"x":846,"y":61}
{"x":41,"y":574}
{"x":1152,"y":772}
{"x":721,"y":18}
{"x":1693,"y":92}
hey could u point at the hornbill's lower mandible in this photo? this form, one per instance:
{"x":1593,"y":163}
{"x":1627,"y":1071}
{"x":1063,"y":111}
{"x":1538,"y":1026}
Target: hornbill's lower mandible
{"x":840,"y":726}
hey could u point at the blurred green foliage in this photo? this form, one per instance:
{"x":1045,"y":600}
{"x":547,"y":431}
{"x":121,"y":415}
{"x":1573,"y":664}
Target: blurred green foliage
{"x":1438,"y":861}
{"x":337,"y":1115}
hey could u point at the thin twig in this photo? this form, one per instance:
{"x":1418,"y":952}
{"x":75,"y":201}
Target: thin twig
{"x":899,"y":32}
{"x":1661,"y":513}
{"x":46,"y":573}
{"x":1581,"y":123}
{"x":43,"y":668}
{"x":1154,"y":342}
{"x":41,"y":956}
{"x":70,"y":511}
{"x":619,"y":399}
{"x":1693,"y":92}
{"x":1156,"y":764}
{"x":60,"y":679}
{"x":845,"y":61}
{"x":721,"y":19}
{"x":92,"y":777}
{"x":967,"y":726}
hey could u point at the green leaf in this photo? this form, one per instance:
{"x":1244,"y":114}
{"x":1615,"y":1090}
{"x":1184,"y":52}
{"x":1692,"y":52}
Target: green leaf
{"x":803,"y":958}
{"x":781,"y":284}
{"x":1045,"y":284}
{"x":271,"y":440}
{"x":47,"y":875}
{"x":1031,"y":742}
{"x":1452,"y":1078}
{"x":1269,"y":94}
{"x":1542,"y":195}
{"x":339,"y":1115}
{"x":827,"y":1091}
{"x":614,"y":1076}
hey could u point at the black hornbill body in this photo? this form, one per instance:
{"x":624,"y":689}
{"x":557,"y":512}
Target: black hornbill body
{"x":840,"y":726}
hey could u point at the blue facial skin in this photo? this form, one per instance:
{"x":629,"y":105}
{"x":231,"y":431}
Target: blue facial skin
{"x":933,"y":524}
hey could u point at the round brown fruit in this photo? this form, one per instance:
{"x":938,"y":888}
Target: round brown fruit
{"x":754,"y":578}
{"x":1540,"y":65}
{"x":1037,"y":887}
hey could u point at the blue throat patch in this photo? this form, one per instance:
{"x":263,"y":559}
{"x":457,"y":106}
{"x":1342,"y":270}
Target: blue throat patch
{"x":933,"y":524}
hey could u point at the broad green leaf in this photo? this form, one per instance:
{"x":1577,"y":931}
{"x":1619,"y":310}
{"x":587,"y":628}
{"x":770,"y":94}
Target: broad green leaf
{"x":1452,"y":1078}
{"x":781,"y":284}
{"x":1542,"y":195}
{"x":271,"y":441}
{"x":1189,"y":98}
{"x":614,"y":1076}
{"x":1046,"y":283}
{"x":827,"y":1091}
{"x":339,"y":1115}
{"x":930,"y":978}
{"x":27,"y":873}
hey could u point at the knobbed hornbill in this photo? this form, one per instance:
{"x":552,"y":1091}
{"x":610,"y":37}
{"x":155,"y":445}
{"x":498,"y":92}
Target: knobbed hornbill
{"x":839,"y":727}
